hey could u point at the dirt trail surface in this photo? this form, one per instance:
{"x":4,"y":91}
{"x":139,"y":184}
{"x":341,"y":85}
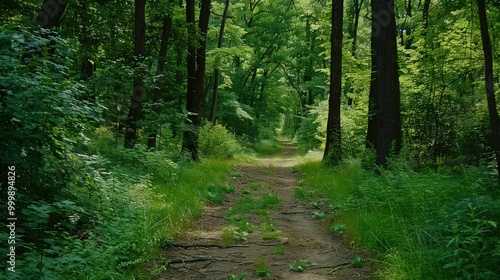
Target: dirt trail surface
{"x":266,"y":239}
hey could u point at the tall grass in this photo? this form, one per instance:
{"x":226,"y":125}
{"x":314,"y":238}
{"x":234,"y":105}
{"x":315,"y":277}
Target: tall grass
{"x":422,"y":225}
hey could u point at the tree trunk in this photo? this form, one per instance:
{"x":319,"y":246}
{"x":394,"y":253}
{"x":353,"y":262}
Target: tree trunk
{"x":333,"y":147}
{"x":425,"y":15}
{"x":135,"y":110}
{"x":51,"y":13}
{"x":384,"y":125}
{"x":217,"y":70}
{"x":196,"y":76}
{"x":167,"y":27}
{"x":488,"y":81}
{"x":354,"y":32}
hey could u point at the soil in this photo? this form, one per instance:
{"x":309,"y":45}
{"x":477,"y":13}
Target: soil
{"x":202,"y":254}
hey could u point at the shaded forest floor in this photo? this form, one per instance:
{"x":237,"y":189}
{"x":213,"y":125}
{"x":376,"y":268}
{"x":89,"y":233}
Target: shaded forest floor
{"x":260,"y":229}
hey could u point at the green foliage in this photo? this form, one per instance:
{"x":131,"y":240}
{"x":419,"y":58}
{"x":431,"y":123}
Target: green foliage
{"x":42,"y":107}
{"x":471,"y":243}
{"x":318,"y":215}
{"x":267,"y":147}
{"x":217,"y":141}
{"x":269,"y":231}
{"x":357,"y":262}
{"x":237,"y":277}
{"x":308,"y":137}
{"x":280,"y":250}
{"x":86,"y":232}
{"x":216,"y":193}
{"x":299,"y":266}
{"x":231,"y":234}
{"x":262,"y":267}
{"x":422,"y":224}
{"x":338,"y":228}
{"x":311,"y":133}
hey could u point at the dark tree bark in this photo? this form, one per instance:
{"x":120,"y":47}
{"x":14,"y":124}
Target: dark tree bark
{"x":354,"y":31}
{"x":215,"y":94}
{"x":333,"y":147}
{"x":167,"y":27}
{"x":51,"y":12}
{"x":309,"y":69}
{"x":407,"y":28}
{"x":384,"y":125}
{"x":135,"y":110}
{"x":425,"y":14}
{"x":488,"y":81}
{"x":196,"y":76}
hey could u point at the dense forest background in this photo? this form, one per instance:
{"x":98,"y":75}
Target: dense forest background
{"x":122,"y":118}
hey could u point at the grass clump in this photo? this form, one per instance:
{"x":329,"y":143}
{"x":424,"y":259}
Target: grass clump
{"x":216,"y":193}
{"x":280,"y":250}
{"x":432,"y":224}
{"x":232,"y":234}
{"x":251,"y":205}
{"x":262,"y":268}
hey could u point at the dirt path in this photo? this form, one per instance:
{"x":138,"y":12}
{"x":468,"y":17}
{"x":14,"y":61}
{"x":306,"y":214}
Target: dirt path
{"x":259,"y":230}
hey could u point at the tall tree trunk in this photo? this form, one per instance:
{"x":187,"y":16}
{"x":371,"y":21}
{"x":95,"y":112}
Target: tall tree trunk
{"x":425,"y":15}
{"x":167,"y":26}
{"x":135,"y":110}
{"x":354,"y":32}
{"x":384,"y":126}
{"x":215,"y":94}
{"x":196,"y":76}
{"x":373,"y":127}
{"x":488,"y":82}
{"x":333,"y":147}
{"x":406,"y":28}
{"x":309,"y":69}
{"x":51,"y":13}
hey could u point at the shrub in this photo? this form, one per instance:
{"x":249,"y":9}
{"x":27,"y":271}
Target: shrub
{"x":217,"y":141}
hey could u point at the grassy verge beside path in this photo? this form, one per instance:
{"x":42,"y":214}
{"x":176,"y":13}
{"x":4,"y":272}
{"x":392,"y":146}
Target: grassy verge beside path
{"x":422,"y":225}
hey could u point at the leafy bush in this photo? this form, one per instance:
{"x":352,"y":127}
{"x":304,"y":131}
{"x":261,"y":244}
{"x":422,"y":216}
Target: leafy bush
{"x":42,"y":108}
{"x":307,"y":135}
{"x":217,"y":141}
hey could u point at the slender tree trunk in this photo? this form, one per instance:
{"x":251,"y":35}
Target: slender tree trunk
{"x":488,"y":81}
{"x":384,"y":125}
{"x":333,"y":147}
{"x":217,"y":70}
{"x":425,"y":14}
{"x":309,"y":69}
{"x":373,"y":127}
{"x":135,"y":110}
{"x":354,"y":32}
{"x":196,"y":76}
{"x":409,"y":41}
{"x":167,"y":27}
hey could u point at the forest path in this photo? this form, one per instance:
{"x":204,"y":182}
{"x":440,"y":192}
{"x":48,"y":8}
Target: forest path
{"x":255,"y":233}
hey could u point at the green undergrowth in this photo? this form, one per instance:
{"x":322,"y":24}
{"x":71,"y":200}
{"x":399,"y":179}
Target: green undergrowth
{"x":267,"y":147}
{"x":118,"y":212}
{"x":432,"y":224}
{"x":251,"y":205}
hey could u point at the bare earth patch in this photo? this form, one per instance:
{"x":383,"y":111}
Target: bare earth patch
{"x":281,"y":236}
